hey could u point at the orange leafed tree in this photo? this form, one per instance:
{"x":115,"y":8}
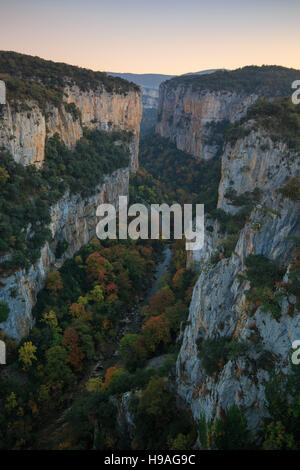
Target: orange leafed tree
{"x":95,"y":264}
{"x":156,"y":330}
{"x":54,"y":282}
{"x":160,"y":301}
{"x":78,"y":310}
{"x":71,"y":342}
{"x":111,"y":374}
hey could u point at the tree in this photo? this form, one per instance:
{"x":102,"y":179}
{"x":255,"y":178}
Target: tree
{"x":160,"y":301}
{"x":27,"y":354}
{"x":71,"y":342}
{"x":126,"y":346}
{"x":155,"y":331}
{"x":84,"y":332}
{"x":156,"y":398}
{"x":227,"y":433}
{"x":78,"y":310}
{"x":94,"y":384}
{"x":57,"y":370}
{"x":96,"y":296}
{"x":51,"y":320}
{"x":4,"y":311}
{"x":95,"y":264}
{"x":4,"y":176}
{"x":54,"y":282}
{"x":112,"y":373}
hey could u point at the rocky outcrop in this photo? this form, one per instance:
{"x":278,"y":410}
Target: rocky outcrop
{"x":254,"y":162}
{"x":72,"y":219}
{"x":2,"y":92}
{"x":150,"y":97}
{"x":24,"y":128}
{"x":189,"y":118}
{"x":219,"y":307}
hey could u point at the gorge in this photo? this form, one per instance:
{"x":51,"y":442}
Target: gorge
{"x":207,"y":366}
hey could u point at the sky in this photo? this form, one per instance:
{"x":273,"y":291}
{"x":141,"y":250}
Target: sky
{"x":158,"y":36}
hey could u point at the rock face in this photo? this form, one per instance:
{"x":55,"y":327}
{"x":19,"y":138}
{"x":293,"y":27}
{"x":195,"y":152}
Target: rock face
{"x":150,"y":97}
{"x":72,"y":219}
{"x":2,"y":92}
{"x":24,"y":127}
{"x":188,"y":118}
{"x":23,"y":132}
{"x":219,"y":308}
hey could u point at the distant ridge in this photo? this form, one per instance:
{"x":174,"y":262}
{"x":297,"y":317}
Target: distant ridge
{"x":147,"y":80}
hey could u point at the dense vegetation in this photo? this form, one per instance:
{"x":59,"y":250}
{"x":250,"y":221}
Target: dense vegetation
{"x":159,"y":424}
{"x":79,"y":312}
{"x":281,"y":430}
{"x":26,"y":193}
{"x":267,"y":288}
{"x":175,"y":176}
{"x":280,"y":118}
{"x":214,"y":353}
{"x":267,"y":81}
{"x":34,"y":76}
{"x":230,"y":432}
{"x":76,"y":314}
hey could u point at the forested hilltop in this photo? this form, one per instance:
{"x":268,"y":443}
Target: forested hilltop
{"x":268,"y":80}
{"x":20,"y":70}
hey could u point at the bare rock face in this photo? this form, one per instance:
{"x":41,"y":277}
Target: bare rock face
{"x":219,"y":308}
{"x":109,"y":111}
{"x":24,"y":127}
{"x":188,"y":117}
{"x":2,"y":92}
{"x":23,"y":131}
{"x":254,"y":162}
{"x":72,"y":219}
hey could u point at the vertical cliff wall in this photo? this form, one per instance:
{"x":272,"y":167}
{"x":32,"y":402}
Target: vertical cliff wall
{"x":45,"y":98}
{"x":188,"y":117}
{"x":193,"y":108}
{"x":74,"y":220}
{"x":24,"y":129}
{"x":219,"y":307}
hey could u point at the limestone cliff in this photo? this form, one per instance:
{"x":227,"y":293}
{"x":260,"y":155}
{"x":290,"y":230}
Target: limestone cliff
{"x":72,"y":219}
{"x":23,"y":131}
{"x":193,"y":108}
{"x":44,"y":98}
{"x":188,"y":117}
{"x":219,"y":307}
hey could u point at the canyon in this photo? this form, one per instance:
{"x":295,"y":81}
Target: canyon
{"x":234,"y":118}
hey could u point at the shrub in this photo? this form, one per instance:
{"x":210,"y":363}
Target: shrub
{"x":214,"y":353}
{"x":262,"y":272}
{"x":291,"y":189}
{"x":4,"y":311}
{"x":229,"y":433}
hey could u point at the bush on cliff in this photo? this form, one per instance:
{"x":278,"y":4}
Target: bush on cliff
{"x":4,"y":311}
{"x":27,"y":192}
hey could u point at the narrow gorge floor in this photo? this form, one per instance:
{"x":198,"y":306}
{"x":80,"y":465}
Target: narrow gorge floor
{"x":57,"y":431}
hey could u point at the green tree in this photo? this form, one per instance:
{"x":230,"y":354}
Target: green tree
{"x":4,"y":311}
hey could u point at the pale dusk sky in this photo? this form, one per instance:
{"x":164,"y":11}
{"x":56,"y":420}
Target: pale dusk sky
{"x":158,"y":36}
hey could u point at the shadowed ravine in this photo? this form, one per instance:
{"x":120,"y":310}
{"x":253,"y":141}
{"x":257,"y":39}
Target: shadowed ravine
{"x":55,"y":432}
